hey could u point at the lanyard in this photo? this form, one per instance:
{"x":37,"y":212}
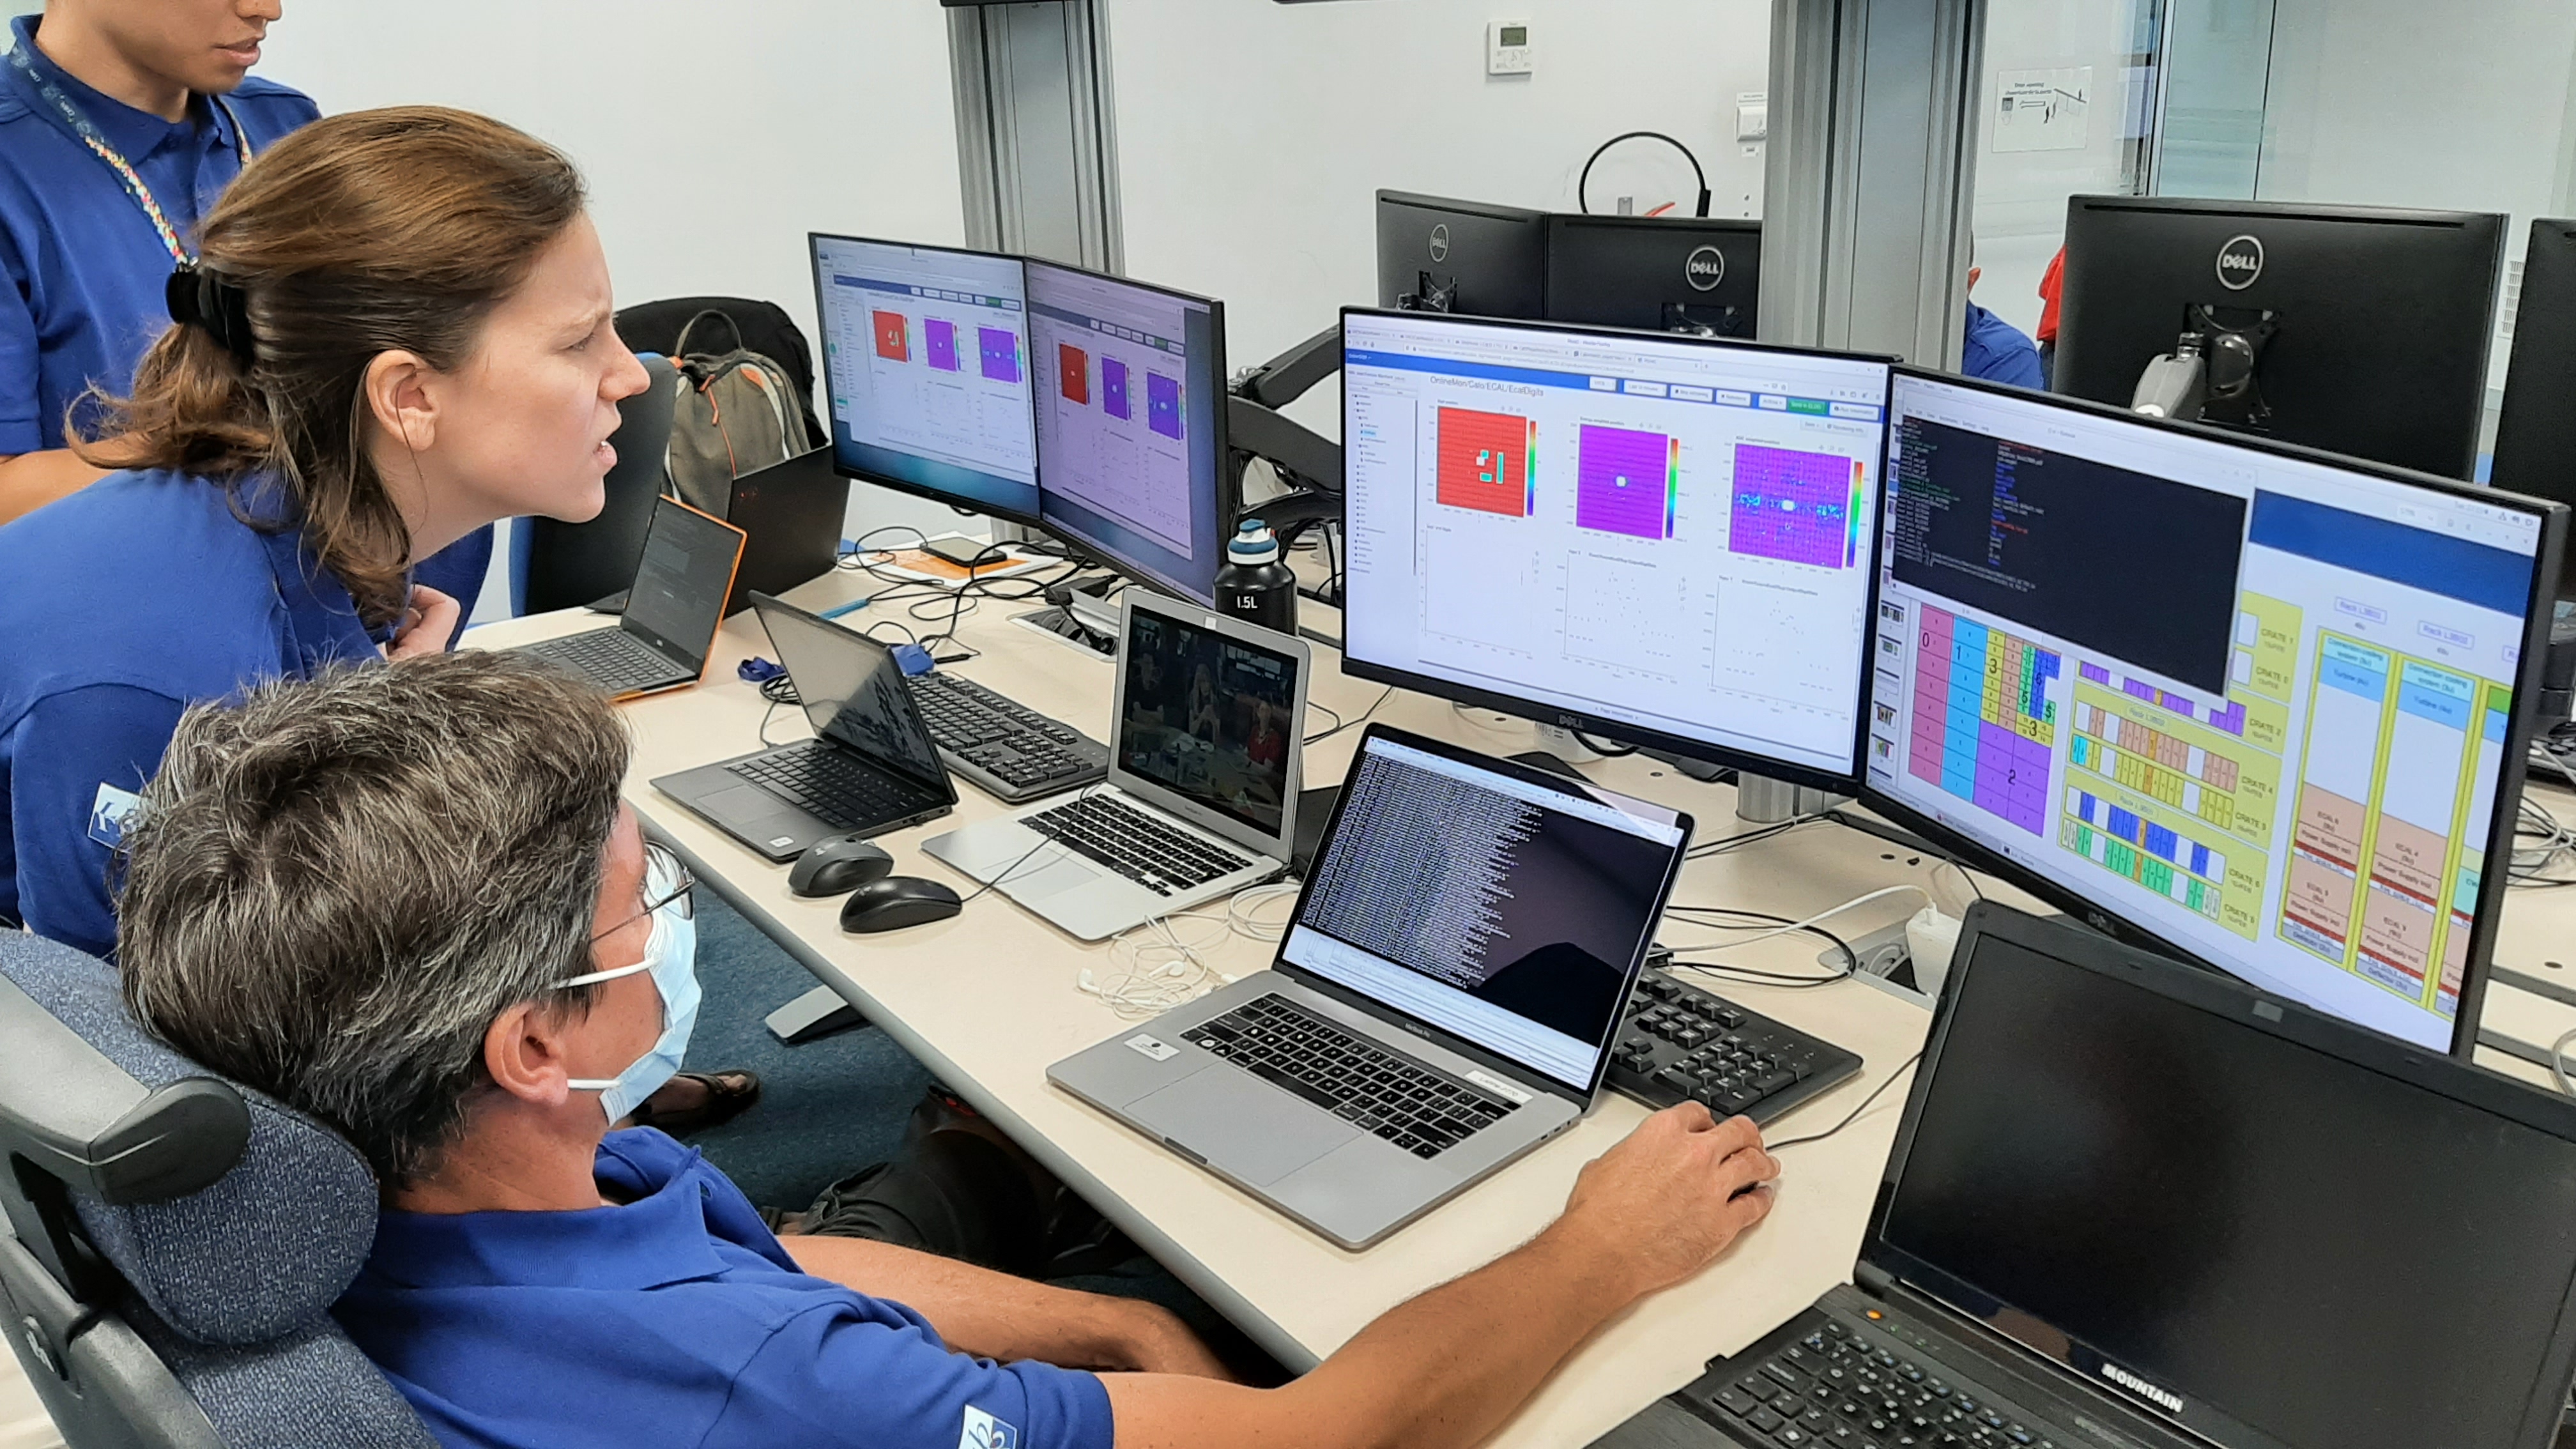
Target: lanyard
{"x":90,"y":137}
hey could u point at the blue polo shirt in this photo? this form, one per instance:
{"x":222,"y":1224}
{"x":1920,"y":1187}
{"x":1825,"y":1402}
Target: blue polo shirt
{"x":675,"y":1319}
{"x":1998,"y":351}
{"x":123,"y":604}
{"x":84,"y":267}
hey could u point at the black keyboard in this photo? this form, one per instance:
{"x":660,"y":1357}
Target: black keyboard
{"x":1823,"y":1382}
{"x":1163,"y":858}
{"x":613,"y":659}
{"x":1680,"y":1041}
{"x":829,"y":784}
{"x":1007,"y":749}
{"x":1422,"y":1111}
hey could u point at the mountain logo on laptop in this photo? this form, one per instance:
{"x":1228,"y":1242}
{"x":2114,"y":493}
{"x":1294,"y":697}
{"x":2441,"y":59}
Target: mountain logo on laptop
{"x":2164,"y":1399}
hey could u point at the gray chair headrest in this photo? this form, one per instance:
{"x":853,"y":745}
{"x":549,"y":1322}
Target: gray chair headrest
{"x":271,"y":1244}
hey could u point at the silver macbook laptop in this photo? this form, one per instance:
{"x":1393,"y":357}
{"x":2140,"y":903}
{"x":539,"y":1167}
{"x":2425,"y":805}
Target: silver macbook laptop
{"x":673,"y":610}
{"x":1203,"y":777}
{"x":1444,"y":1001}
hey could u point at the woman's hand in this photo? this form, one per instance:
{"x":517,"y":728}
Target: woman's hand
{"x":426,"y":625}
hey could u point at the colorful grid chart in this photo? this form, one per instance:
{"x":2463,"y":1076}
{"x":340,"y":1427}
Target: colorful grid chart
{"x":1485,"y":462}
{"x":2230,"y":719}
{"x":1073,"y":373}
{"x":941,"y":340}
{"x":2163,"y":860}
{"x":999,"y":348}
{"x":1792,"y":506}
{"x":1113,"y":389}
{"x":1163,"y":405}
{"x":1983,"y":722}
{"x":2156,"y":763}
{"x":1627,"y":481}
{"x":891,"y":344}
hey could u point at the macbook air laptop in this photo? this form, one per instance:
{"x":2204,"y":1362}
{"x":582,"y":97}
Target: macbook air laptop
{"x":672,"y":612}
{"x":1201,"y":799}
{"x":2136,"y":1204}
{"x":870,"y":768}
{"x":1444,"y":1000}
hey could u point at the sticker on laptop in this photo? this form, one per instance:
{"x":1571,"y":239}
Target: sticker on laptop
{"x":108,"y":813}
{"x":1499,"y":1088}
{"x":1146,"y":1046}
{"x":983,"y":1431}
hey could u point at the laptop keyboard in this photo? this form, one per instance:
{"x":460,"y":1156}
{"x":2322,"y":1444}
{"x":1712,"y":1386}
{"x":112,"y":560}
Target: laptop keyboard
{"x":1834,"y":1389}
{"x":1018,"y":747}
{"x":1419,"y":1110}
{"x":1162,"y":858}
{"x":612,"y":659}
{"x":828,"y":784}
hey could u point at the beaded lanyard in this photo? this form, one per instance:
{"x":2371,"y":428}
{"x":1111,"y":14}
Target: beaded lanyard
{"x":90,"y":137}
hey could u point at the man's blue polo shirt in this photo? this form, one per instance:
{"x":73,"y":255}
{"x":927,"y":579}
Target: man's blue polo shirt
{"x":675,"y":1319}
{"x":120,"y":606}
{"x":1998,"y":351}
{"x":85,"y":269}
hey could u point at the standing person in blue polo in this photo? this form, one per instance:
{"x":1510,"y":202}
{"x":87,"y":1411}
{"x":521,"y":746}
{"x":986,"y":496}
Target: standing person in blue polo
{"x":121,"y":121}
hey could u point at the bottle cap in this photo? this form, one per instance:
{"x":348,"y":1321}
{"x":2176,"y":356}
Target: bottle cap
{"x":1253,"y":543}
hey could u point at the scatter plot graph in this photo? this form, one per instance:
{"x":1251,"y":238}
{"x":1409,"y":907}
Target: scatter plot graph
{"x":1627,"y":481}
{"x":1792,"y":506}
{"x":1983,"y":722}
{"x":939,"y":340}
{"x":1484,"y":462}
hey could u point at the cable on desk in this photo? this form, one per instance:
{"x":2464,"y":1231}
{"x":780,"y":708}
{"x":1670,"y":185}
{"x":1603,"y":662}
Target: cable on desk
{"x":1155,"y":970}
{"x":1340,"y":724}
{"x":1854,"y":1114}
{"x":2558,"y":1062}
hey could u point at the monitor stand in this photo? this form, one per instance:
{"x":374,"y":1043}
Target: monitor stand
{"x":1085,"y":621}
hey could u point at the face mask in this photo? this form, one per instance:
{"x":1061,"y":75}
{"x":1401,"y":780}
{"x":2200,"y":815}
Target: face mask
{"x":671,"y":955}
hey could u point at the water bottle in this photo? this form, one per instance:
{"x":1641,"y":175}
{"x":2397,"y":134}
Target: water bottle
{"x":1254,"y":585}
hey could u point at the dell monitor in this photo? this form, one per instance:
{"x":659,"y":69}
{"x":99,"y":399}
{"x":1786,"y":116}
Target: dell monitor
{"x":2358,"y":330}
{"x":1131,"y":425}
{"x":2535,"y":442}
{"x":926,"y":355}
{"x":1437,"y":255}
{"x":2257,"y":705}
{"x":1664,"y":274}
{"x":1662,"y":539}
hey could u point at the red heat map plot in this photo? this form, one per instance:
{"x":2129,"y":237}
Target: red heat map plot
{"x":1484,"y":461}
{"x":891,"y":344}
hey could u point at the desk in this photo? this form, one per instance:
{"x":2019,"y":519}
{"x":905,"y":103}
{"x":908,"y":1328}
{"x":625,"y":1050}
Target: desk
{"x":987,"y":1000}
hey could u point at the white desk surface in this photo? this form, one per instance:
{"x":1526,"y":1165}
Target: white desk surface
{"x":987,"y":1000}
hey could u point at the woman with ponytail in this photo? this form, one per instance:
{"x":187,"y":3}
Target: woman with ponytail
{"x":397,"y":331}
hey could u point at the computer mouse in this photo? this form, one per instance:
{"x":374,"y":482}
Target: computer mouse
{"x":898,"y":901}
{"x":843,"y":862}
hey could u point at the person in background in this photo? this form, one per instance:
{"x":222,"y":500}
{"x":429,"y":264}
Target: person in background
{"x":2052,"y":287}
{"x":1996,"y":350}
{"x":121,"y":122}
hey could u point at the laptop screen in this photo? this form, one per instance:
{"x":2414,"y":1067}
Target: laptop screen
{"x":2178,"y":1203}
{"x":1209,"y":717}
{"x":853,"y":690}
{"x":1509,"y":913}
{"x":680,"y":586}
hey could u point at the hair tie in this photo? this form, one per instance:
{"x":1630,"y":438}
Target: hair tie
{"x":203,"y":298}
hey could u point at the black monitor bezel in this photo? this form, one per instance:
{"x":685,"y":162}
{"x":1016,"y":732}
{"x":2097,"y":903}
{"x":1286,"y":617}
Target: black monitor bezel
{"x":1530,"y":217}
{"x":1560,"y":226}
{"x":2240,"y":1003}
{"x":2519,"y":728}
{"x":1027,"y":518}
{"x":1227,"y":498}
{"x":2548,"y":269}
{"x":1846,"y":783}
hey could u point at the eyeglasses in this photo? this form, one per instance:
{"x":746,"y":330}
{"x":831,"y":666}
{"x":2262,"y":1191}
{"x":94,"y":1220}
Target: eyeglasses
{"x":661,"y":864}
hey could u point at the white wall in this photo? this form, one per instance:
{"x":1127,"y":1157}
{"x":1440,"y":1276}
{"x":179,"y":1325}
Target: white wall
{"x":2020,"y":217}
{"x":713,"y":136}
{"x":1252,"y":137}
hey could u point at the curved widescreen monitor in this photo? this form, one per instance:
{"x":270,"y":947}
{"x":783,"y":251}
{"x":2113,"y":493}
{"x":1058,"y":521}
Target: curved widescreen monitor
{"x":926,"y":354}
{"x":1131,"y":425}
{"x":2255,"y":704}
{"x":1663,"y":539}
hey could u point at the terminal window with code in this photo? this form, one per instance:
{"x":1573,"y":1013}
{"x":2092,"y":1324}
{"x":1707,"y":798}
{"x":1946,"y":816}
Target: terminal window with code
{"x":2256,"y":704}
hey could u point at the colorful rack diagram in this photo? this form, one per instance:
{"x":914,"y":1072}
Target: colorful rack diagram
{"x":1487,"y":462}
{"x":1797,"y":507}
{"x":2390,"y":823}
{"x":1627,"y":481}
{"x":1983,"y":722}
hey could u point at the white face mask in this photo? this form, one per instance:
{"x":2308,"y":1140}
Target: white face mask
{"x":671,"y":955}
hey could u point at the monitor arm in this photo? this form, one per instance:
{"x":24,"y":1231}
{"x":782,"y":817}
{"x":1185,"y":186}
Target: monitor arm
{"x":2210,"y":374}
{"x":1309,"y":463}
{"x":2174,"y":385}
{"x":1285,"y":378}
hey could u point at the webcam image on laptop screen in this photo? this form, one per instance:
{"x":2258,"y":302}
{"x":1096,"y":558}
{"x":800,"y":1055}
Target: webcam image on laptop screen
{"x":1210,"y":717}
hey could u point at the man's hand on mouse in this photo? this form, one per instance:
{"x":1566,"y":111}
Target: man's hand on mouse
{"x":1665,"y":1202}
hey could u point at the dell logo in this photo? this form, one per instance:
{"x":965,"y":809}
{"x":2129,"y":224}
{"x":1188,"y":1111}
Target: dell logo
{"x":2163,"y":1399}
{"x":1440,"y":242}
{"x":2240,"y":263}
{"x":1705,"y":268}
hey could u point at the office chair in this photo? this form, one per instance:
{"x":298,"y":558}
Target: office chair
{"x":762,"y":327}
{"x":178,"y":1240}
{"x":568,"y":564}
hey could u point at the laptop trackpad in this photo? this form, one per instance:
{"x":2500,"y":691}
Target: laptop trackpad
{"x":1262,"y":1133}
{"x":1034,"y":882}
{"x":745,"y":804}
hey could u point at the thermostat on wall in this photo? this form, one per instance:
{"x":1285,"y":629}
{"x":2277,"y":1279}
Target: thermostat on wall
{"x":1507,"y":48}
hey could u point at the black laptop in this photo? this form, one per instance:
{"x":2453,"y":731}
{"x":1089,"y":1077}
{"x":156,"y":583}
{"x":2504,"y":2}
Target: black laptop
{"x":792,"y":513}
{"x":673,"y":610}
{"x":2135,"y":1204}
{"x":870,"y":768}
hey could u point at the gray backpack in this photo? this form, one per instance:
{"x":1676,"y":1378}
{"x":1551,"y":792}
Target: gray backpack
{"x":735,"y":412}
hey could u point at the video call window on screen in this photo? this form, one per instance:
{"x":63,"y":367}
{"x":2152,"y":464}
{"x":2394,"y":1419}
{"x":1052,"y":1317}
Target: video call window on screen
{"x":1211,"y":718}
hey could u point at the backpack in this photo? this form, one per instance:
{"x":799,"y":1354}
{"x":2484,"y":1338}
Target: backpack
{"x":734,"y":412}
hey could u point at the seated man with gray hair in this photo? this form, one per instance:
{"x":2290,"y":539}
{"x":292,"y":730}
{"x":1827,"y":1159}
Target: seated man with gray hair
{"x":408,"y":901}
